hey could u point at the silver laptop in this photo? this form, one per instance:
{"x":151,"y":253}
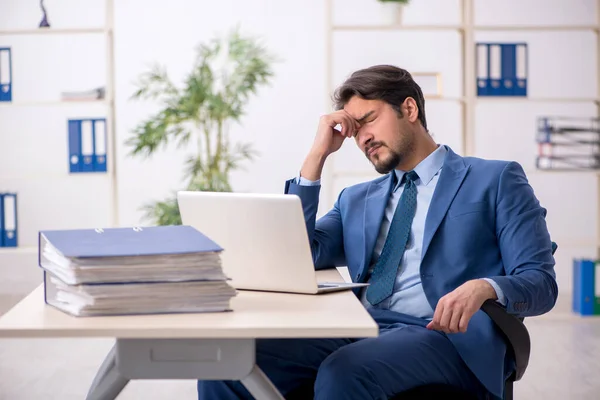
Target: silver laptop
{"x":264,"y":239}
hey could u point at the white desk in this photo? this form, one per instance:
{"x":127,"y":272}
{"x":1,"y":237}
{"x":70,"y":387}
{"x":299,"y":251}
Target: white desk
{"x":215,"y":346}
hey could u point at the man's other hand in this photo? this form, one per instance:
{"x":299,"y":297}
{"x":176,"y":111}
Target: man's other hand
{"x":328,"y":140}
{"x":454,"y":310}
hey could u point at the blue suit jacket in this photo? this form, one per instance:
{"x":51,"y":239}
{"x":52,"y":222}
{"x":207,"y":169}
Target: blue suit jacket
{"x":484,"y":221}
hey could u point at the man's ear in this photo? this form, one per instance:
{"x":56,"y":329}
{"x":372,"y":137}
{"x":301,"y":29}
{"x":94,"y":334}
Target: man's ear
{"x":410,"y":110}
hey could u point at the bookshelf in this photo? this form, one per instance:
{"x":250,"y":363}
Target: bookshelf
{"x":56,"y":31}
{"x":103,"y":107}
{"x":468,"y":29}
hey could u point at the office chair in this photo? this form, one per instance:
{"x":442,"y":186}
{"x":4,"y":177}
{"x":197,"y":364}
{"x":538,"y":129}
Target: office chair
{"x":517,"y":339}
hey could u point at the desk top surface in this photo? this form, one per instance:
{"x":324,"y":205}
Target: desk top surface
{"x":255,"y":315}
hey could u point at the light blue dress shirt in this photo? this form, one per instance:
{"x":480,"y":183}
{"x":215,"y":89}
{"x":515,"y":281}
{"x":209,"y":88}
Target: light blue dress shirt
{"x":408,"y":296}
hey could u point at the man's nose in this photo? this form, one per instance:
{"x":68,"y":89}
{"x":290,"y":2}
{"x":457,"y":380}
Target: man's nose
{"x":364,"y":139}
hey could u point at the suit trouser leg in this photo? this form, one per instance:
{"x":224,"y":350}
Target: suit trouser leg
{"x":400,"y":358}
{"x":403,"y":356}
{"x":289,"y":363}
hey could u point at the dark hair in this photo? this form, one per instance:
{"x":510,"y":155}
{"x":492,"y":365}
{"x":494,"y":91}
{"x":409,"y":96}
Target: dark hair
{"x":382,"y":82}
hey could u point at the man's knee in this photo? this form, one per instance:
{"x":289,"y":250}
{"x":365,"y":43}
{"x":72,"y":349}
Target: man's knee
{"x":341,"y":370}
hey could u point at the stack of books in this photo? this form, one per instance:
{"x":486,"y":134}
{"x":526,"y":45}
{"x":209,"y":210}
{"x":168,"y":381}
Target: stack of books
{"x":84,"y":95}
{"x":119,"y":271}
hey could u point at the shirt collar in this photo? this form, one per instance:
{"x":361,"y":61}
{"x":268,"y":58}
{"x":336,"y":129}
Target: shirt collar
{"x":427,"y":168}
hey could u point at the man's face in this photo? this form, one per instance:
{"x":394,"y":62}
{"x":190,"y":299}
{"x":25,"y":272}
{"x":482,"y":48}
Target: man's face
{"x":384,"y":137}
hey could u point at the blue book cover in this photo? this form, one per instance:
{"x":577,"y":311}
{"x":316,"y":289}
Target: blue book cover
{"x":6,"y":87}
{"x":583,"y":286}
{"x":1,"y":219}
{"x":509,"y":70}
{"x":121,"y":242}
{"x":75,"y":161}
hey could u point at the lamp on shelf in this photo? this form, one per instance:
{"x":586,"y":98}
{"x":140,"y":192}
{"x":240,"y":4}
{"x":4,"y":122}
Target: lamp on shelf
{"x":44,"y":22}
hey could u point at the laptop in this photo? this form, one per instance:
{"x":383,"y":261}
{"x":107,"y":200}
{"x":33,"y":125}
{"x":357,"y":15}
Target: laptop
{"x":264,"y":240}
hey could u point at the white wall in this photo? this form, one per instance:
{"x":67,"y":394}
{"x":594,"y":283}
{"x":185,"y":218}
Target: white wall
{"x":281,"y":121}
{"x":563,"y":81}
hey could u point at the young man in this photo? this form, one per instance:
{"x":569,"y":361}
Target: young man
{"x":436,"y":236}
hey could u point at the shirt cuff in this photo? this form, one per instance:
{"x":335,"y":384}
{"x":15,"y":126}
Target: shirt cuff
{"x":305,"y":182}
{"x":499,"y":293}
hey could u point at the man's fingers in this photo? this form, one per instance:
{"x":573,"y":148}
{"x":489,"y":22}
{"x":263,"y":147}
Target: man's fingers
{"x":445,"y":319}
{"x":464,"y":322}
{"x":455,"y":321}
{"x":350,"y":129}
{"x":437,"y":315}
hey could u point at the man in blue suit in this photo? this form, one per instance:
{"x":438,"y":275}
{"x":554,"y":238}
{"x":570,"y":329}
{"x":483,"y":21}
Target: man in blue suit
{"x":436,"y":236}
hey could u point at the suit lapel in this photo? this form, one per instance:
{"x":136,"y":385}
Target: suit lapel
{"x":452,"y":175}
{"x":375,"y":203}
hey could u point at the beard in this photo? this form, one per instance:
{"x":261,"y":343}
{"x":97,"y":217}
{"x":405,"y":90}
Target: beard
{"x":384,"y":163}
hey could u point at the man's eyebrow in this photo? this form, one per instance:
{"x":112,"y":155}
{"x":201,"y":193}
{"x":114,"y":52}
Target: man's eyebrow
{"x":367,"y":115}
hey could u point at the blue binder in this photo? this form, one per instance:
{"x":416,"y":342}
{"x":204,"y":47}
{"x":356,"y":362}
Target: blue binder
{"x":87,"y":145}
{"x":86,"y":140}
{"x":74,"y":127}
{"x":1,"y":219}
{"x":501,"y":69}
{"x":122,"y":242}
{"x":99,"y":145}
{"x":521,"y":62}
{"x":5,"y":74}
{"x":509,"y":70}
{"x":9,"y":220}
{"x":482,"y":57}
{"x":584,"y":277}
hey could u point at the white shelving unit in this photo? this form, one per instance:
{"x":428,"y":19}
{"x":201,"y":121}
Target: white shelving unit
{"x":107,"y":31}
{"x":468,"y":98}
{"x":55,"y":31}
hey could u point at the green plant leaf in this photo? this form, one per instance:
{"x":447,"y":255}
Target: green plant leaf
{"x":227,"y":71}
{"x":163,"y":212}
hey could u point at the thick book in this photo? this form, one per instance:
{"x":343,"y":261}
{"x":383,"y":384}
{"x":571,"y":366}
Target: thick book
{"x":105,"y":299}
{"x":119,"y":271}
{"x":150,"y":254}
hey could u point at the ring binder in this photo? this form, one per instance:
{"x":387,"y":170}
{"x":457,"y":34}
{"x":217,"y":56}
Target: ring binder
{"x":5,"y":74}
{"x":501,"y":69}
{"x":8,"y":220}
{"x":87,"y":145}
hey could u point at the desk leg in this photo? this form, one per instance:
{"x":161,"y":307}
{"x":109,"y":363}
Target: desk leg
{"x":108,"y":383}
{"x":208,"y":359}
{"x":260,"y":386}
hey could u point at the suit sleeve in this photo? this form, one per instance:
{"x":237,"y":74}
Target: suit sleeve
{"x":529,"y":285}
{"x":325,"y":235}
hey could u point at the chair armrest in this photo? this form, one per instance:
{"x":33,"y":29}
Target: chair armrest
{"x":515,"y":333}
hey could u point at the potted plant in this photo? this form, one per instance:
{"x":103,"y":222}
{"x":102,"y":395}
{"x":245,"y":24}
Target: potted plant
{"x":226,"y":73}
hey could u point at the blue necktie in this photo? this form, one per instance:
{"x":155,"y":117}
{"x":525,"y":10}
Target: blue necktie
{"x":386,"y":269}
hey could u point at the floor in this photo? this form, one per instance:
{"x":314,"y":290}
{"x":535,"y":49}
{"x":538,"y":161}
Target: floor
{"x":564,"y":363}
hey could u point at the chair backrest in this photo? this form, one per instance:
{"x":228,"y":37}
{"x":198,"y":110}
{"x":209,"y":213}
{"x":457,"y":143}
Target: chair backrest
{"x":514,"y":331}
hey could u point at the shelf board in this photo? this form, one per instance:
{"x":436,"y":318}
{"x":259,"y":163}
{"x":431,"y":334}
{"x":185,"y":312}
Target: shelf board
{"x":492,"y":99}
{"x":53,"y":31}
{"x":536,"y":27}
{"x":529,"y":171}
{"x":581,"y":171}
{"x":394,"y":27}
{"x":51,"y":103}
{"x":19,"y":250}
